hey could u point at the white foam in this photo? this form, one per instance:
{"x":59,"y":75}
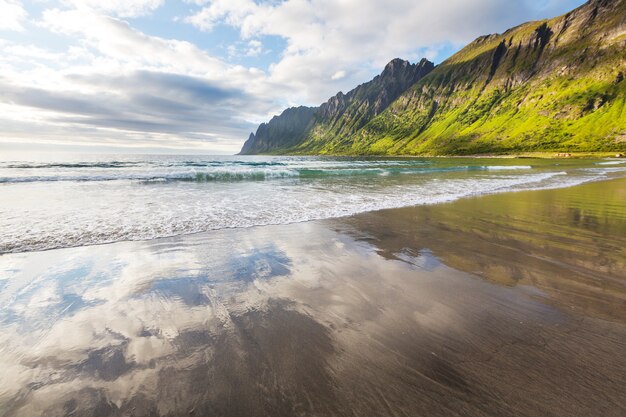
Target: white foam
{"x":231,"y":174}
{"x":611,"y":163}
{"x":77,"y":214}
{"x":507,"y":167}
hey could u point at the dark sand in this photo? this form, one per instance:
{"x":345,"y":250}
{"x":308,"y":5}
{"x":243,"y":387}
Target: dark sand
{"x":504,"y":305}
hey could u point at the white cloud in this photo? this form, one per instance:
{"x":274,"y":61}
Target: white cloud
{"x":90,"y":89}
{"x":233,"y":11}
{"x":251,"y":48}
{"x":12,"y":51}
{"x":338,"y":75}
{"x":130,"y":48}
{"x":116,"y":86}
{"x":255,"y":48}
{"x":325,"y":36}
{"x":12,"y":15}
{"x":121,"y":8}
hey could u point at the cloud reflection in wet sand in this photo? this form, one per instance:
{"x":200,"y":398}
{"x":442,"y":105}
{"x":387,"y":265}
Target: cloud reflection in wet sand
{"x":320,"y":318}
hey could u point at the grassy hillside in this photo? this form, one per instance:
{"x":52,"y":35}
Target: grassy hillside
{"x":552,"y":85}
{"x":341,"y":116}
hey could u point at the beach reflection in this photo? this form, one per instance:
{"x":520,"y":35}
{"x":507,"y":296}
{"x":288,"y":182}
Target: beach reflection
{"x":568,"y":243}
{"x":393,"y":313}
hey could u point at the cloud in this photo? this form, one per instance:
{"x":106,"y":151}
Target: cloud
{"x":116,"y":39}
{"x":117,"y":85}
{"x":13,"y":51}
{"x":232,"y":11}
{"x":121,"y":8}
{"x":142,"y":102}
{"x":251,"y":48}
{"x":255,"y":48}
{"x":325,"y":36}
{"x":338,"y":75}
{"x":101,"y":80}
{"x":12,"y":15}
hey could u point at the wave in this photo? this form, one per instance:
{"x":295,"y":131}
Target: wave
{"x":243,"y":172}
{"x":116,"y":218}
{"x":605,"y":170}
{"x":611,"y":163}
{"x":507,"y":167}
{"x":132,"y":164}
{"x":191,"y":175}
{"x":110,"y":164}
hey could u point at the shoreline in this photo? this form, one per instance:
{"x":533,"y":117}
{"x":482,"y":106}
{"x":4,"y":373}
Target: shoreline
{"x":472,"y":195}
{"x":514,"y":155}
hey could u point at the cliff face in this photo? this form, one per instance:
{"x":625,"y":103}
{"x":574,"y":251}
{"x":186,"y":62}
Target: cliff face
{"x":281,"y":132}
{"x":341,"y":117}
{"x":551,"y":85}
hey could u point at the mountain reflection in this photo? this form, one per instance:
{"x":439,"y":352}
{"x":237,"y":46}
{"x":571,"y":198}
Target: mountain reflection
{"x":568,"y":243}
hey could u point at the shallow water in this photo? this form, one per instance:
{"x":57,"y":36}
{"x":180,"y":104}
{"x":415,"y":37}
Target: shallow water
{"x":510,"y":305}
{"x":82,"y":200}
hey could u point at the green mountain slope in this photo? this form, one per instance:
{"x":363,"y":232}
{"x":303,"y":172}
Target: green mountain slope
{"x":552,"y":85}
{"x":340,"y":117}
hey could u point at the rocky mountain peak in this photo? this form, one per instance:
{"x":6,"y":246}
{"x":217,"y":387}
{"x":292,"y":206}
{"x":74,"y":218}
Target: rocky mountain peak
{"x":395,"y":65}
{"x":374,"y":96}
{"x":399,"y":67}
{"x":342,"y":114}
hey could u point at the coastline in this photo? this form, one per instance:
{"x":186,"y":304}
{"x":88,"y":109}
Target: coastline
{"x":315,"y":186}
{"x":473,"y":307}
{"x":514,"y":155}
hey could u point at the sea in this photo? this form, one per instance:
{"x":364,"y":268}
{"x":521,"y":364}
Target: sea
{"x":60,"y":201}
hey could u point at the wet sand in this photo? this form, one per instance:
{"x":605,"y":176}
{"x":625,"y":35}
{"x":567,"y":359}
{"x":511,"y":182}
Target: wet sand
{"x":505,"y":305}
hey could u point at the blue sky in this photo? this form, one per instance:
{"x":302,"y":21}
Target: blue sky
{"x":199,"y":75}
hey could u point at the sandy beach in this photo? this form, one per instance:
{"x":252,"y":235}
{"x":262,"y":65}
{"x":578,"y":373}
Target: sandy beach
{"x":511,"y":304}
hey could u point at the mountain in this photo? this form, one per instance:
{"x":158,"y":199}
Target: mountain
{"x":341,"y":116}
{"x":282,"y":132}
{"x":549,"y":85}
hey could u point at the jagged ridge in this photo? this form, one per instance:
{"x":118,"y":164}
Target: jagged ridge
{"x":284,"y":131}
{"x":551,"y":85}
{"x":341,"y":116}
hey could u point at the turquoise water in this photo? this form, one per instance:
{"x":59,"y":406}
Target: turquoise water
{"x":79,"y":200}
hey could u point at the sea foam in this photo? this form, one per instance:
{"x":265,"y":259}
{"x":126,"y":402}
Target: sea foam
{"x":56,"y":205}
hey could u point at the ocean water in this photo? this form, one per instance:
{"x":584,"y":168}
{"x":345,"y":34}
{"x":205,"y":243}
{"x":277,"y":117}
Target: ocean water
{"x":67,"y":201}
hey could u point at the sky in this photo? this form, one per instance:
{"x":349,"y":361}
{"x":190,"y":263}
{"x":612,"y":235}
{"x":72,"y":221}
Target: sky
{"x":197,"y":76}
